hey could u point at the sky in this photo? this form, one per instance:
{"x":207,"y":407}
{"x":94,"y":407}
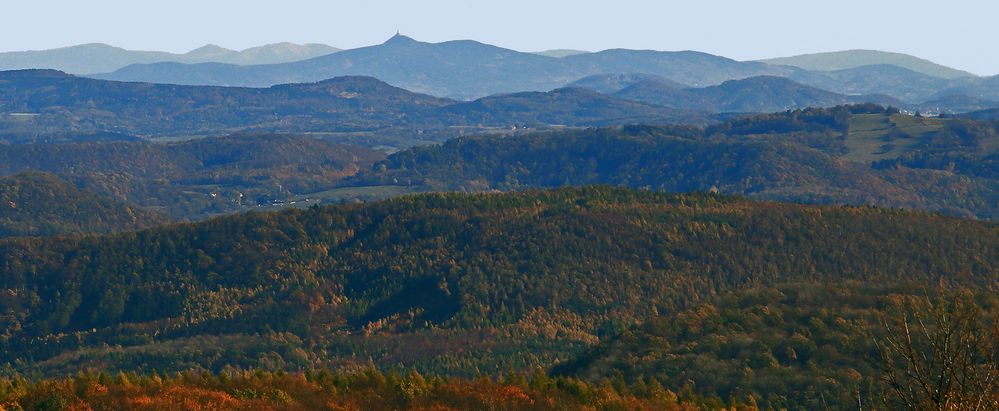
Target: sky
{"x":957,"y":33}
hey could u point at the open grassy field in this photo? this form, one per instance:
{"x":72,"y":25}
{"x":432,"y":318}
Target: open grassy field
{"x":875,"y":137}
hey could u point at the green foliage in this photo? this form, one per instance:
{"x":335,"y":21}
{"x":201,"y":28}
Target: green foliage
{"x":324,"y":390}
{"x":69,"y":104}
{"x":793,"y":346}
{"x":815,"y":155}
{"x":449,"y":283}
{"x":962,"y":147}
{"x":41,"y":105}
{"x":567,"y":107}
{"x":180,"y":178}
{"x":40,"y":204}
{"x":763,"y":94}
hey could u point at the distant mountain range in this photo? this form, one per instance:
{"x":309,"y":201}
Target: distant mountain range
{"x":848,"y":59}
{"x":887,"y":79}
{"x":102,"y":58}
{"x":468,"y":70}
{"x":457,"y":69}
{"x":38,"y":103}
{"x":756,"y":94}
{"x":45,"y":105}
{"x":764,"y":94}
{"x":41,"y":101}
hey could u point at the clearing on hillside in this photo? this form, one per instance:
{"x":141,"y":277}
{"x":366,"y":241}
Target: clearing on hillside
{"x":874,"y":137}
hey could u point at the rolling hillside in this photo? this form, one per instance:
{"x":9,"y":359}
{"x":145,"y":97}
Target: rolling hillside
{"x":956,"y":103}
{"x":33,"y":102}
{"x":195,"y":178}
{"x":843,"y":155}
{"x":983,"y":115}
{"x":752,"y":95}
{"x":885,"y":79}
{"x":692,"y":68}
{"x":848,"y":59}
{"x":613,"y":83}
{"x":41,"y":204}
{"x":567,"y":107}
{"x":40,"y":105}
{"x":986,"y":88}
{"x":456,"y":284}
{"x":794,"y":346}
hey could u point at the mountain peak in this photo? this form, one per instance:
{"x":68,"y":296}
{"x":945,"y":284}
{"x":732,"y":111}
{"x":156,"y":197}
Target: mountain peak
{"x":209,"y":50}
{"x":399,"y":38}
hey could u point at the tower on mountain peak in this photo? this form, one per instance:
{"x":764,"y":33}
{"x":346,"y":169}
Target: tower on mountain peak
{"x":400,"y":38}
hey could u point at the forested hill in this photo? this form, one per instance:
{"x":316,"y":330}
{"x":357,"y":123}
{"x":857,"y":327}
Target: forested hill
{"x":843,"y":155}
{"x":195,"y":178}
{"x":763,"y":94}
{"x":35,"y":104}
{"x":795,"y":346}
{"x":40,"y":204}
{"x":453,"y":283}
{"x":40,"y":101}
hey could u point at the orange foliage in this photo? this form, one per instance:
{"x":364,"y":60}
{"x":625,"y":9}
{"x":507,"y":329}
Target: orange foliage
{"x":369,"y":390}
{"x":185,"y":398}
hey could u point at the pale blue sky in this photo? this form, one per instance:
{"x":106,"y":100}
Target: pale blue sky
{"x":959,"y":33}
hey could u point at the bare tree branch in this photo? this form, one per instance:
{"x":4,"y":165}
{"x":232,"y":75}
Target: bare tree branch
{"x":950,"y":361}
